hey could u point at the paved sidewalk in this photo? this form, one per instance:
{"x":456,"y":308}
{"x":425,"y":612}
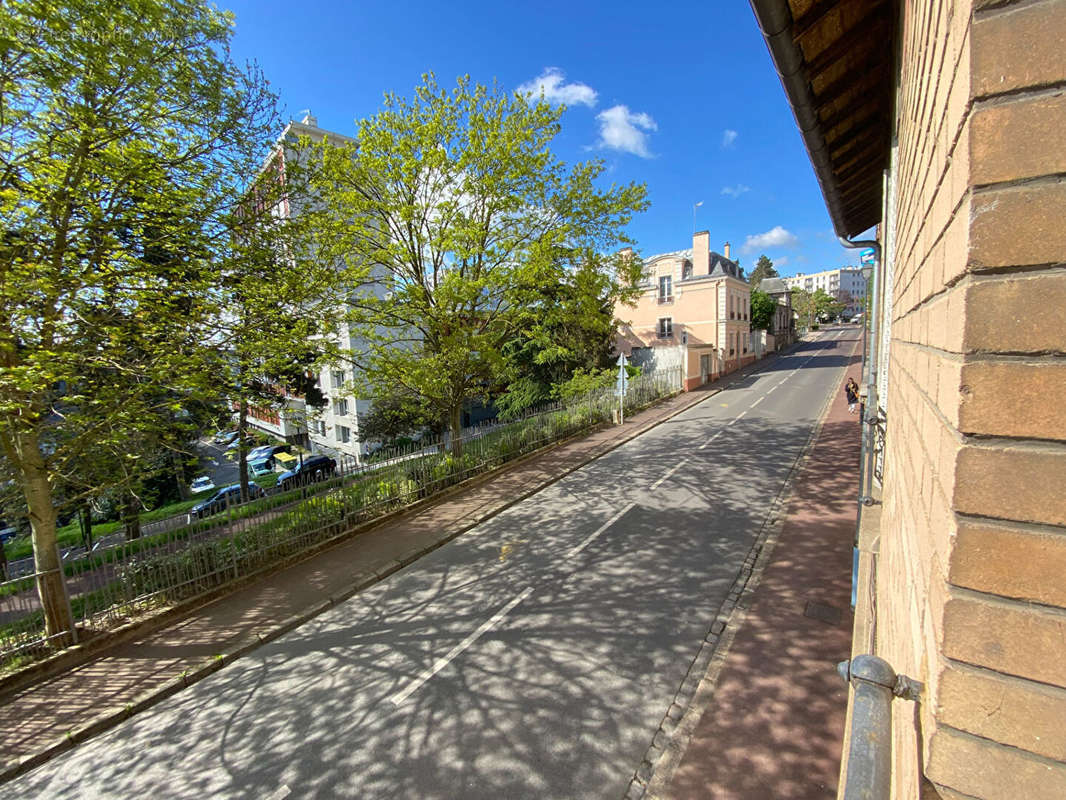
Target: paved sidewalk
{"x":775,"y":722}
{"x":56,"y":714}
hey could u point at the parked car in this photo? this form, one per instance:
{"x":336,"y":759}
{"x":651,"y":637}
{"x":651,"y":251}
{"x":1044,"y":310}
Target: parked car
{"x":261,"y":467}
{"x":266,"y":452}
{"x":224,"y":437}
{"x":201,"y":484}
{"x":313,"y":468}
{"x":223,"y":499}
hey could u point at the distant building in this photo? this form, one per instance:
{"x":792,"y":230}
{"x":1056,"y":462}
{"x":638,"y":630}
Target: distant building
{"x":693,"y":314}
{"x":845,"y":283}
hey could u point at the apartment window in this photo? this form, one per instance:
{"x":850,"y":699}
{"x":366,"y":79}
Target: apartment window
{"x":666,"y":288}
{"x":666,"y":327}
{"x":337,"y":377}
{"x":340,"y":407}
{"x":343,"y":434}
{"x":318,"y":427}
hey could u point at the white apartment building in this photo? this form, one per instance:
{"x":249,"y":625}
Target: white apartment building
{"x":333,"y":429}
{"x":834,"y":282}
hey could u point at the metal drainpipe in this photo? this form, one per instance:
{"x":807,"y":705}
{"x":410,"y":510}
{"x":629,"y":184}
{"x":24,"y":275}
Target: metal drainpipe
{"x":870,"y":412}
{"x":869,"y":775}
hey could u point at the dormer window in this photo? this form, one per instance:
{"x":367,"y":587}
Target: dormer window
{"x":686,"y":271}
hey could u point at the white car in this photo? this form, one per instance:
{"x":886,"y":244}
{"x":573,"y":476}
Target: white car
{"x":201,"y":484}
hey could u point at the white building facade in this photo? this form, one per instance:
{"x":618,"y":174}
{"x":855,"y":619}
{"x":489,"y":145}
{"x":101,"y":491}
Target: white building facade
{"x":843,"y":283}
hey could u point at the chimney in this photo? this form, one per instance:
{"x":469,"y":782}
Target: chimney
{"x":725,"y":250}
{"x":701,"y":256}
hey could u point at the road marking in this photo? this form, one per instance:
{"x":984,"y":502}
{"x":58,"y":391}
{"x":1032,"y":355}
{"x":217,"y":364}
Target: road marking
{"x":588,"y":539}
{"x":662,"y":480}
{"x":444,"y":660}
{"x":282,"y":792}
{"x":737,"y":417}
{"x":757,"y":402}
{"x":710,"y":440}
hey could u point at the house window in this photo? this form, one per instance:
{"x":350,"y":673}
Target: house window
{"x":337,"y":377}
{"x":343,"y":434}
{"x":340,"y":407}
{"x":666,"y":327}
{"x":686,"y":271}
{"x":666,"y":289}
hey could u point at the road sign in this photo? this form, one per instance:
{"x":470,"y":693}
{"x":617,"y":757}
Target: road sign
{"x":867,"y":256}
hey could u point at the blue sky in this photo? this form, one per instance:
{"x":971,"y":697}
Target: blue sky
{"x":680,"y":96}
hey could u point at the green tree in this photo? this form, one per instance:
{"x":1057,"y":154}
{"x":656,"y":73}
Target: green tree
{"x":453,"y":205}
{"x":764,"y":268}
{"x":565,"y":323}
{"x":762,"y":310}
{"x":813,"y":305}
{"x":125,"y":134}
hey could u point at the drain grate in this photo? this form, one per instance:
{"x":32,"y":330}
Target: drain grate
{"x":823,"y":611}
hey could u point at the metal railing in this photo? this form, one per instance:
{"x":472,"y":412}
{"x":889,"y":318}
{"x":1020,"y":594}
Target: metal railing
{"x":869,"y":764}
{"x":134,"y":577}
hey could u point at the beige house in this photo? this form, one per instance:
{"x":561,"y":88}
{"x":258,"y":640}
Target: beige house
{"x":943,"y":124}
{"x":693,"y":314}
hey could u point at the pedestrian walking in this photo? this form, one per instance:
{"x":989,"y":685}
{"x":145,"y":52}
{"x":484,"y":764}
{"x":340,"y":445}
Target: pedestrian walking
{"x":851,"y":391}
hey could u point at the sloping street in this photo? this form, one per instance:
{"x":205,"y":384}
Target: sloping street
{"x":534,"y":656}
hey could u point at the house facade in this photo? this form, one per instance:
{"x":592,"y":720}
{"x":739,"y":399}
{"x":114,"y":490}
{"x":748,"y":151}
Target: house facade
{"x":942,"y":125}
{"x":782,"y":330}
{"x":694,"y":313}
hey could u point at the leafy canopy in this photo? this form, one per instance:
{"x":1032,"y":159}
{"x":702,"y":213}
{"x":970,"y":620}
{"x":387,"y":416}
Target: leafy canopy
{"x":460,"y":220}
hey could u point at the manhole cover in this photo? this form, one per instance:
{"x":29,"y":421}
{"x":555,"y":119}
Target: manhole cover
{"x":823,"y":611}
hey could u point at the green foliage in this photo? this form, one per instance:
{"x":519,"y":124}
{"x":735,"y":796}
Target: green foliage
{"x":810,"y":306}
{"x":584,"y":382}
{"x":764,"y":268}
{"x":453,"y":214}
{"x":126,"y":135}
{"x":762,"y":310}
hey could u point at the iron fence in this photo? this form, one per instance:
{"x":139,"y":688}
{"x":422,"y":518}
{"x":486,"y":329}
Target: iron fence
{"x":132,"y":578}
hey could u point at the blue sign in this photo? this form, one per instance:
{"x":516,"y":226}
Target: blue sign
{"x":867,"y":256}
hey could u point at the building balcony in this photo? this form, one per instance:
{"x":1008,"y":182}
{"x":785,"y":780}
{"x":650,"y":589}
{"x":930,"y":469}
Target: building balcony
{"x":667,"y":300}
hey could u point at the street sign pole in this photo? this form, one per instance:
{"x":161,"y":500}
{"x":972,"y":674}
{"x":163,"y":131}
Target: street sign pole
{"x":623,"y":380}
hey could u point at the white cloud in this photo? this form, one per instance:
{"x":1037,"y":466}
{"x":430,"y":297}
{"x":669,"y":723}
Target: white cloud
{"x":621,"y":129}
{"x":735,"y":191}
{"x":780,"y":261}
{"x":729,"y":137}
{"x":775,"y":237}
{"x":551,"y":85}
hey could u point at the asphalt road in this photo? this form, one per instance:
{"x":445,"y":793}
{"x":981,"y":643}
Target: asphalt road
{"x":534,"y":656}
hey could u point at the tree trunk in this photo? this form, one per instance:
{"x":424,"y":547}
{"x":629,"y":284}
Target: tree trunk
{"x":37,"y":490}
{"x":456,"y":424}
{"x":131,"y":516}
{"x":242,"y":451}
{"x":85,"y":517}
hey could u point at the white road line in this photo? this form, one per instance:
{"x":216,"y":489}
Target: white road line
{"x":281,"y":793}
{"x":757,"y":402}
{"x":444,"y":660}
{"x":662,"y":480}
{"x":710,"y":440}
{"x":574,"y":551}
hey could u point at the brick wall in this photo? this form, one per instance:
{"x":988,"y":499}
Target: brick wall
{"x":971,"y":577}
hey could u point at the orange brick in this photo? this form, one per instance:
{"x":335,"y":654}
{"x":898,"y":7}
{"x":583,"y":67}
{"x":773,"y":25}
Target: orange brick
{"x":1026,"y":563}
{"x":1019,"y":48}
{"x":1022,"y":139}
{"x":1019,"y":713}
{"x":1018,"y":226}
{"x":979,"y":768}
{"x":1021,"y":399}
{"x":1016,"y":314}
{"x":1006,"y":636}
{"x":1012,"y":482}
